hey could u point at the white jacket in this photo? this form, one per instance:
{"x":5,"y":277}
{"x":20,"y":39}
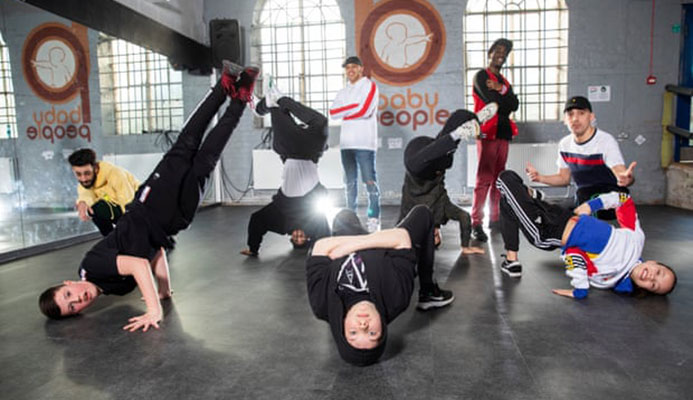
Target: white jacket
{"x":357,"y":106}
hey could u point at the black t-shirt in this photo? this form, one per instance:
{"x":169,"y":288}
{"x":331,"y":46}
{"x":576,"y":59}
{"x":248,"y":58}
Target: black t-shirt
{"x":99,"y":266}
{"x":389,"y":273}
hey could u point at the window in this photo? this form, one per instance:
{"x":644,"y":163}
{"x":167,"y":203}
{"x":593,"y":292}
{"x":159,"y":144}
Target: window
{"x":538,"y":65}
{"x":301,"y":43}
{"x":8,"y":116}
{"x":140,"y":92}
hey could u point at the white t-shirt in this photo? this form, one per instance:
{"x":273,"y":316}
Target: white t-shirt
{"x":590,"y":162}
{"x":299,"y":177}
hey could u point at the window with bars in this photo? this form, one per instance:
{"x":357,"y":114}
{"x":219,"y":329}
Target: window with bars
{"x":140,"y":92}
{"x":301,"y":44}
{"x":8,"y":114}
{"x":537,"y":67}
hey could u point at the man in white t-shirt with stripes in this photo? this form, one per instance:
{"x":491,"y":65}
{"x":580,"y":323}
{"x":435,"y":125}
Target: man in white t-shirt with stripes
{"x":357,"y":106}
{"x":590,"y":156}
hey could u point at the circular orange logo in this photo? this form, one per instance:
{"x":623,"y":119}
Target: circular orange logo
{"x":403,"y":41}
{"x":53,"y":61}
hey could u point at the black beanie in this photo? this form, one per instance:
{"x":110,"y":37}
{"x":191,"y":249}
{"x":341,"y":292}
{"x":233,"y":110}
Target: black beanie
{"x":352,"y":355}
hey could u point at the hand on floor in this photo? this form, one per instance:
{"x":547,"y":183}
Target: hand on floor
{"x":472,"y":250}
{"x":247,"y":252}
{"x":144,"y":321}
{"x":563,"y":292}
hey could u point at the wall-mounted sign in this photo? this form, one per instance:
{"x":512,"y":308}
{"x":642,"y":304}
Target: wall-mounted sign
{"x":599,"y":93}
{"x":401,"y":42}
{"x":55,"y":62}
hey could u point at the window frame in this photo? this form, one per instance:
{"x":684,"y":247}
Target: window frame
{"x":309,"y":73}
{"x":541,"y":96}
{"x":140,"y":92}
{"x":8,"y":105}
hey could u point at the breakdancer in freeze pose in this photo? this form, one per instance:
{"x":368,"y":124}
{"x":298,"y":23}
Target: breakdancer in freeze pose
{"x":300,"y":146}
{"x":133,"y":254}
{"x":595,"y":253}
{"x":360,"y":282}
{"x":426,"y":159}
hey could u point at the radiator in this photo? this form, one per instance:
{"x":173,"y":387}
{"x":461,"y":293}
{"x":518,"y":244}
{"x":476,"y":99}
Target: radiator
{"x":267,"y":169}
{"x":140,"y":165}
{"x":541,"y":155}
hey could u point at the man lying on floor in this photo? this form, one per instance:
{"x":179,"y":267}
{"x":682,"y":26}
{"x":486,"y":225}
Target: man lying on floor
{"x":300,"y":146}
{"x":595,"y":253}
{"x":164,"y":205}
{"x":361,"y":282}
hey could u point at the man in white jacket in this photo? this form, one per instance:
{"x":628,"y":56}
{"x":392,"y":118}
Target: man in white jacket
{"x":357,"y":106}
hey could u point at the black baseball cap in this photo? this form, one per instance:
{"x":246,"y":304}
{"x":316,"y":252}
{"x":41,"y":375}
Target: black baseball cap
{"x":352,"y":60}
{"x":578,"y":102}
{"x":508,"y":44}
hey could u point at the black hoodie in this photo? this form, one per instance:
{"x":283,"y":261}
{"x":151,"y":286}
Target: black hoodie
{"x":390,"y":274}
{"x":424,"y":182}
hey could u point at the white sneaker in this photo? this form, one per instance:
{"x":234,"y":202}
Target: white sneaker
{"x":468,"y":130}
{"x":373,"y":225}
{"x":487,"y":112}
{"x":273,"y":95}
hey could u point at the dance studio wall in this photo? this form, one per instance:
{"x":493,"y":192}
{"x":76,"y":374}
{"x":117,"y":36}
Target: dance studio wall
{"x":608,"y":45}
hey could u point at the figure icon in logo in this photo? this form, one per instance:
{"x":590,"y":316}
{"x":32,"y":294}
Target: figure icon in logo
{"x":395,"y":52}
{"x":55,"y":70}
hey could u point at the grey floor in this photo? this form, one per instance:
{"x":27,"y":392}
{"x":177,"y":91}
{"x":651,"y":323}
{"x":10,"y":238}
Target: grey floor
{"x":242,"y":328}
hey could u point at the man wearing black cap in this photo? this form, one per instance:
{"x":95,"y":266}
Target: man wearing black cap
{"x":496,"y":133}
{"x":589,"y":155}
{"x":357,"y":106}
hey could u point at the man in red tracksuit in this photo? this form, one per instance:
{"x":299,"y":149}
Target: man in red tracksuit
{"x":496,"y":133}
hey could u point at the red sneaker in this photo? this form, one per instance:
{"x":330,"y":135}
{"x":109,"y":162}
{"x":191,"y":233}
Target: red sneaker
{"x":229,"y":77}
{"x":245,"y":85}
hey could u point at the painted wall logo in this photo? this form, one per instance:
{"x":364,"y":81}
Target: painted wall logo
{"x":55,"y":62}
{"x":401,"y":42}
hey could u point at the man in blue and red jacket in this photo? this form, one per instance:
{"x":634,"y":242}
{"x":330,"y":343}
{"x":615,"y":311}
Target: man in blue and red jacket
{"x":496,"y":133}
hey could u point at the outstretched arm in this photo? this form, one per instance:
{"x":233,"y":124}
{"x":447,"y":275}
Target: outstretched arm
{"x":624,"y":175}
{"x":561,"y":178}
{"x":578,"y":266}
{"x":161,"y":274}
{"x":339,"y":246}
{"x":141,"y":271}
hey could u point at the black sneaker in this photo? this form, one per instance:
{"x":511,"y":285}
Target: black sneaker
{"x":434,"y":298}
{"x":479,"y":234}
{"x":511,"y":268}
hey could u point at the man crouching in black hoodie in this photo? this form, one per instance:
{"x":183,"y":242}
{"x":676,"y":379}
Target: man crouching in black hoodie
{"x":359,"y":281}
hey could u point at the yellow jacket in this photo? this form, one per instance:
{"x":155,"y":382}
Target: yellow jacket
{"x":113,"y":184}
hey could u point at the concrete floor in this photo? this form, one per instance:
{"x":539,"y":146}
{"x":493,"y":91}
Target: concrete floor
{"x":242,"y":328}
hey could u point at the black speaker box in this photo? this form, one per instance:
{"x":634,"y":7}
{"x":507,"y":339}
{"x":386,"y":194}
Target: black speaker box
{"x":225,"y":40}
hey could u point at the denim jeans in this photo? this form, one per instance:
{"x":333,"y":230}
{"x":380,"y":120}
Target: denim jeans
{"x":364,"y":160}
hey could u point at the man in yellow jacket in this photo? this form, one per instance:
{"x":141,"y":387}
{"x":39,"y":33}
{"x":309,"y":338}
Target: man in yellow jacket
{"x":104,"y":189}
